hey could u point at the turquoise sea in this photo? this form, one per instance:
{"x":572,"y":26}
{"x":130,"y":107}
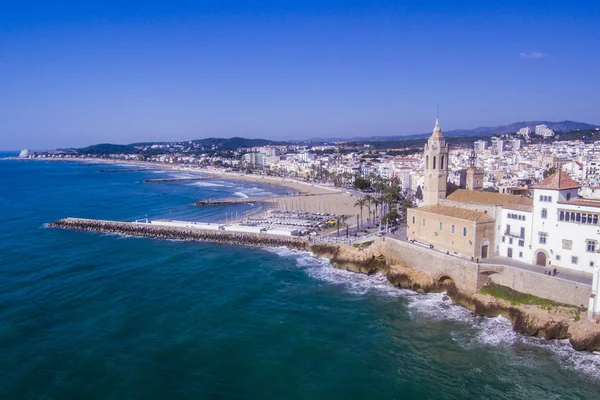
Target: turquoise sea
{"x":93,"y":316}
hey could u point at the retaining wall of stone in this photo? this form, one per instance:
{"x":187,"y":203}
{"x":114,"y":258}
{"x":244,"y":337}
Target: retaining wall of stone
{"x":470,"y":276}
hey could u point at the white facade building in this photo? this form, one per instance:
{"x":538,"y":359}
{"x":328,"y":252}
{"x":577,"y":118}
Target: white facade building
{"x":543,"y":130}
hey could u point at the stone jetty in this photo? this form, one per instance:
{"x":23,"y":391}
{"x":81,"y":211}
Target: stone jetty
{"x":180,"y":233}
{"x":176,"y":179}
{"x":128,"y":170}
{"x":245,"y":200}
{"x":237,"y":200}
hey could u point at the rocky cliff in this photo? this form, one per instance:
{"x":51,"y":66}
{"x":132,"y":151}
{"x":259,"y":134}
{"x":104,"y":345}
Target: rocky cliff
{"x":548,"y":322}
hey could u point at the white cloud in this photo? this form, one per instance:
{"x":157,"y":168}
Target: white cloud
{"x":533,"y":55}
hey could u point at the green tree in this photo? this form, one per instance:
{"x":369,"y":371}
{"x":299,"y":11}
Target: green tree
{"x":550,"y":171}
{"x":361,"y":183}
{"x":361,"y":203}
{"x":419,"y":193}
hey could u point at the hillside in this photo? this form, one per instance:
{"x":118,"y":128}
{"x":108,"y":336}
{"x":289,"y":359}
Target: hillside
{"x":562,"y":126}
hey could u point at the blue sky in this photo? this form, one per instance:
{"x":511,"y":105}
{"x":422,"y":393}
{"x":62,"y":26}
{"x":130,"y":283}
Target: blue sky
{"x":74,"y":73}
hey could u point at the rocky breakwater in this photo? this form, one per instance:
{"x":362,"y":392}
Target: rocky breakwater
{"x":548,"y":321}
{"x":177,"y":233}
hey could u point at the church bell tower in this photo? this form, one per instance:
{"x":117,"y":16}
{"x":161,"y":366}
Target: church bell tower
{"x":436,"y":167}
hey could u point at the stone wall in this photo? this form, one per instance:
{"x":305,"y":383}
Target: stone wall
{"x":544,"y":286}
{"x":470,"y":276}
{"x":436,"y":264}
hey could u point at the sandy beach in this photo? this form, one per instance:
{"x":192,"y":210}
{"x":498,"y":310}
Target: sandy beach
{"x":312,"y":198}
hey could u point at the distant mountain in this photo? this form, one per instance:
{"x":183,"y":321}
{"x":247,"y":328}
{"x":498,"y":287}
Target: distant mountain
{"x":562,"y":126}
{"x":221,"y":144}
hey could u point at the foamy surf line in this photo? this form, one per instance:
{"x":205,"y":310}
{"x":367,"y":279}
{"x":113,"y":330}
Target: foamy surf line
{"x":494,"y":332}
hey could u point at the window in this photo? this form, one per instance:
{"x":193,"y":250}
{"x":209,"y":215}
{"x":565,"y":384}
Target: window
{"x":567,"y":244}
{"x":591,"y":246}
{"x":423,"y":221}
{"x":510,"y":240}
{"x":522,"y":235}
{"x":568,"y":196}
{"x":574,"y":260}
{"x":434,"y":161}
{"x":503,"y":239}
{"x":520,"y":254}
{"x":561,"y":216}
{"x":427,"y":162}
{"x":508,"y":229}
{"x":465,"y":231}
{"x":521,"y":243}
{"x":547,"y":199}
{"x":591,"y":263}
{"x":543,"y":237}
{"x":544,"y":213}
{"x":442,"y":162}
{"x":452,"y":228}
{"x":441,"y":226}
{"x":558,"y":257}
{"x":414,"y":219}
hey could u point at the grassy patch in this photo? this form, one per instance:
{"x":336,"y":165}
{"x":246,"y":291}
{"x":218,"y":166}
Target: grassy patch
{"x":363,"y":245}
{"x":516,"y":298}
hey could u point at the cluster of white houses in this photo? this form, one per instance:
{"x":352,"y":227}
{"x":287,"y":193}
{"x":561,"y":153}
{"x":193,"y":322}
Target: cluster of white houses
{"x":554,"y":227}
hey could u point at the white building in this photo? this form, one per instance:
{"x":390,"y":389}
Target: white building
{"x":566,"y":228}
{"x":479,"y":145}
{"x":543,"y":130}
{"x":524,"y":131}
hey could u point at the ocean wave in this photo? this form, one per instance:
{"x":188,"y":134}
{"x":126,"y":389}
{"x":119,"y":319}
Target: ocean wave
{"x":206,"y":184}
{"x":241,"y":194}
{"x":495,"y":332}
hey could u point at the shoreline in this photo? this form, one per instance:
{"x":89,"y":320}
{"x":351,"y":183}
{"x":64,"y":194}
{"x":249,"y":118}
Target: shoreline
{"x":316,"y":198}
{"x":556,"y":322}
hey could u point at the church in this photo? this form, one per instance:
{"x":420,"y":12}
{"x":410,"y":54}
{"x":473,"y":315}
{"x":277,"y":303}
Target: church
{"x":553,"y":227}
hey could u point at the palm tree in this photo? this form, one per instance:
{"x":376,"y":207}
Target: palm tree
{"x":361,"y":203}
{"x":377,"y":202}
{"x":369,"y":199}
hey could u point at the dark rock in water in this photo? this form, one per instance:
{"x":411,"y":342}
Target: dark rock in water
{"x":585,"y":335}
{"x":445,"y":298}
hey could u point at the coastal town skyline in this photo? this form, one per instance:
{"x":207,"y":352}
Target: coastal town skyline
{"x":81,"y":74}
{"x":264,"y":199}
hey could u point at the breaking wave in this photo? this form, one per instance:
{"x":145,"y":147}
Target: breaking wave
{"x":482,"y":331}
{"x":206,"y":184}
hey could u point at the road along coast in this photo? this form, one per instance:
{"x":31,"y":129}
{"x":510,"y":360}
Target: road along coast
{"x":554,"y":321}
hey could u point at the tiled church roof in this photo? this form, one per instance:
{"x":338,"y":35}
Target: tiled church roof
{"x":557,"y":181}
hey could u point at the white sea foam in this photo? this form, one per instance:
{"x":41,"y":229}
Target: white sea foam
{"x":242,"y":195}
{"x":206,"y":184}
{"x":496,"y":332}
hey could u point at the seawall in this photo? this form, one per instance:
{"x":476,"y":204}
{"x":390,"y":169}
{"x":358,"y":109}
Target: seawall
{"x":180,"y":233}
{"x":422,"y":270}
{"x":470,"y":276}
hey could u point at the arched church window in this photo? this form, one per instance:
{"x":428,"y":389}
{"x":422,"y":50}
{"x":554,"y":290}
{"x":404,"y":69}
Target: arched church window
{"x":442,"y":162}
{"x":426,"y":162}
{"x":434,"y":161}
